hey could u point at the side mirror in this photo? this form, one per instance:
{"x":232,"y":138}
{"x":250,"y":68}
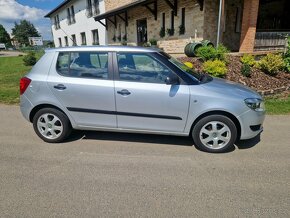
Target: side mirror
{"x":172,"y":79}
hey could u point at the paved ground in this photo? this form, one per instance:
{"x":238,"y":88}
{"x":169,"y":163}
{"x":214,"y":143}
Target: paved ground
{"x":10,"y":53}
{"x":129,"y":175}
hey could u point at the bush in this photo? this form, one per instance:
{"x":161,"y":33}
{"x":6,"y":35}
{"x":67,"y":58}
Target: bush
{"x":29,"y":59}
{"x":210,"y":53}
{"x":248,"y":59}
{"x":215,"y":68}
{"x":287,"y":63}
{"x":271,"y":64}
{"x":246,"y":70}
{"x":206,"y":53}
{"x":221,"y":52}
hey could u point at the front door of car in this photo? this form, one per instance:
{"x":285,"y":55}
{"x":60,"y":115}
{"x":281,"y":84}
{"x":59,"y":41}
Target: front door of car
{"x":82,"y":82}
{"x":143,"y":99}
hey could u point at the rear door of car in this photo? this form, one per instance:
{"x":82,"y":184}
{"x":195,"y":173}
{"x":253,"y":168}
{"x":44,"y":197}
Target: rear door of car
{"x":143,"y":99}
{"x":83,"y":82}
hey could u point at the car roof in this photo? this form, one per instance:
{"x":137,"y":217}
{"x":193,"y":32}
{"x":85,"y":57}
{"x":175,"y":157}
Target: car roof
{"x":104,"y":48}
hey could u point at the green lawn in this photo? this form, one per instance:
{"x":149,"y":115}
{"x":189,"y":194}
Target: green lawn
{"x":278,"y":104}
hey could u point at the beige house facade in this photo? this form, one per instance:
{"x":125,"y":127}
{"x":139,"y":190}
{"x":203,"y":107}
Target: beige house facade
{"x":238,"y":24}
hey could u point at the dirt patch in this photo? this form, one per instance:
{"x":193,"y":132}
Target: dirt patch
{"x":258,"y":80}
{"x":10,"y":53}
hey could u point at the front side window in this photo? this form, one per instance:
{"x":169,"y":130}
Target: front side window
{"x":141,"y":67}
{"x":83,"y":64}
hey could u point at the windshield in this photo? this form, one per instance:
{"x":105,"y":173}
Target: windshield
{"x":191,"y":72}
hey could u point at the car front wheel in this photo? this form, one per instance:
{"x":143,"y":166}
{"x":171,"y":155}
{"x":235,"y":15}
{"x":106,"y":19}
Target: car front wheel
{"x":51,"y":125}
{"x":214,"y":133}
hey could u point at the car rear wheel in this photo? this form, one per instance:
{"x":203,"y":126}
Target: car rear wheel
{"x":51,"y":125}
{"x":214,"y":133}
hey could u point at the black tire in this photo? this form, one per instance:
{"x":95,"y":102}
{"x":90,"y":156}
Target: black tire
{"x":214,"y":134}
{"x":51,"y":125}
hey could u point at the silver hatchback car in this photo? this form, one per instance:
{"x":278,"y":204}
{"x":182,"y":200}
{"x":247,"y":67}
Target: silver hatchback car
{"x":132,"y":89}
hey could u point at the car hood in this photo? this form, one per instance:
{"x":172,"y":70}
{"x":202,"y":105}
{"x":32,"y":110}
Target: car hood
{"x":230,"y":89}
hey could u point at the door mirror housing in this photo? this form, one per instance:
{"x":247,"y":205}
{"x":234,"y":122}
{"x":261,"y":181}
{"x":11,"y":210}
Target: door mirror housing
{"x":172,"y":79}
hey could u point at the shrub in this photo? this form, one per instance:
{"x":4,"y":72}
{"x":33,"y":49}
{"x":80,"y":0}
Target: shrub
{"x":210,"y":53}
{"x":29,"y":59}
{"x":246,"y":70}
{"x":153,"y":42}
{"x":206,"y":53}
{"x":271,"y":64}
{"x":221,"y":52}
{"x":215,"y":68}
{"x":287,"y":63}
{"x":248,"y":59}
{"x":162,"y":32}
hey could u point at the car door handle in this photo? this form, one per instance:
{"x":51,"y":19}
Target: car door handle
{"x":60,"y":87}
{"x":124,"y":92}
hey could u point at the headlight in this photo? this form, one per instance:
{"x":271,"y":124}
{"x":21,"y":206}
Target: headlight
{"x":255,"y":104}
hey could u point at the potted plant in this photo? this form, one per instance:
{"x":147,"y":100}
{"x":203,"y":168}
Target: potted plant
{"x":170,"y":32}
{"x":153,"y":42}
{"x":181,"y":29}
{"x":162,"y":32}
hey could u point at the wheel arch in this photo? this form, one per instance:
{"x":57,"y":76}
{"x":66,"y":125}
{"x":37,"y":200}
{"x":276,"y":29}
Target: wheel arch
{"x":41,"y":106}
{"x":219,"y":112}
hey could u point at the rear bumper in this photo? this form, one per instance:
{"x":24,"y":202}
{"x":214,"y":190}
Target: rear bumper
{"x":25,"y":107}
{"x":251,"y":123}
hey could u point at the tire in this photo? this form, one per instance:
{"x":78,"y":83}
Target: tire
{"x":51,"y":125}
{"x":214,"y":134}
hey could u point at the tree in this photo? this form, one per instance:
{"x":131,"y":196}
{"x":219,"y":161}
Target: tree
{"x":4,"y":36}
{"x":23,"y":31}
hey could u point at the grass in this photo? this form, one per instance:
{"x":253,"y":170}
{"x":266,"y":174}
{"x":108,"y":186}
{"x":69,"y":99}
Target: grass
{"x":278,"y":104}
{"x":11,"y":70}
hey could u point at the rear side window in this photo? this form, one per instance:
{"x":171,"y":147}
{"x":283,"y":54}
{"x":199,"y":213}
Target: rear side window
{"x":83,"y":64}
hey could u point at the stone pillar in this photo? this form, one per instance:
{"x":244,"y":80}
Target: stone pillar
{"x":249,"y":22}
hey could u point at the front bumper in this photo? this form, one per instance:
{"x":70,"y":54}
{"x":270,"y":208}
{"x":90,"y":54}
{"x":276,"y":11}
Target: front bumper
{"x":251,"y":123}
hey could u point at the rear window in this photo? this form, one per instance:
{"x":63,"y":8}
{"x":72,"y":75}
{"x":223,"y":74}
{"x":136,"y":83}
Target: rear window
{"x":83,"y":64}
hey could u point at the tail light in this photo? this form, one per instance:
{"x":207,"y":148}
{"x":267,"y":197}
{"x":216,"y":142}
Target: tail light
{"x":24,"y":83}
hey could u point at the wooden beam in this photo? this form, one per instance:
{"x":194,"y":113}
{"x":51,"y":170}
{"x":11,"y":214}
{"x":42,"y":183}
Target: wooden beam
{"x":113,"y":21}
{"x":154,"y":10}
{"x":173,"y":5}
{"x":125,"y":19}
{"x":105,"y":25}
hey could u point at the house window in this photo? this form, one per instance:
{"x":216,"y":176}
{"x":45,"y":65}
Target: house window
{"x":89,"y":10}
{"x":68,"y":16}
{"x":95,"y":37}
{"x":56,"y":22}
{"x":59,"y":42}
{"x":170,"y":31}
{"x":73,"y":37}
{"x":83,"y":38}
{"x":163,"y":21}
{"x":72,"y":10}
{"x":182,"y":24}
{"x":66,"y":41}
{"x":96,"y":7}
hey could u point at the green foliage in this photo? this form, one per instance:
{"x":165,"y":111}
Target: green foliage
{"x":286,"y":56}
{"x":153,"y":41}
{"x":4,"y":36}
{"x":206,"y":53}
{"x":181,"y":29}
{"x":271,"y":64}
{"x":23,"y":31}
{"x":162,"y":32}
{"x":29,"y":59}
{"x":248,"y":60}
{"x":216,"y":68}
{"x":170,"y":32}
{"x":246,"y":70}
{"x":210,"y":53}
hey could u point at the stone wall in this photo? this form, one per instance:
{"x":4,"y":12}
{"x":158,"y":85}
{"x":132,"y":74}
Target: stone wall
{"x":194,"y":25}
{"x":112,"y":4}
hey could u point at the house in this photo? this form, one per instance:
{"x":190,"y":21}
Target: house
{"x":241,"y":25}
{"x":73,"y":23}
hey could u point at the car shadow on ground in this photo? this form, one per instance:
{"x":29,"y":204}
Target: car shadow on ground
{"x":130,"y":137}
{"x":151,"y":138}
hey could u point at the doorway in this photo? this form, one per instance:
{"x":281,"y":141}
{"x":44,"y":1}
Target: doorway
{"x":141,"y":32}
